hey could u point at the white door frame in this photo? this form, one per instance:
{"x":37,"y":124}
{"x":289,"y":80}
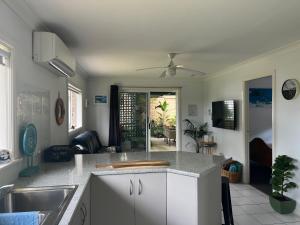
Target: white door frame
{"x":148,"y":90}
{"x":245,"y":119}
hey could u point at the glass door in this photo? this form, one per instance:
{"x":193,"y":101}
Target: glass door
{"x":162,"y":120}
{"x":134,"y":121}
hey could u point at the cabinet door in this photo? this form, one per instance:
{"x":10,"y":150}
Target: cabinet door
{"x":82,"y":213}
{"x":150,"y":199}
{"x":78,"y":217}
{"x":113,"y":200}
{"x":86,"y":204}
{"x":182,"y":200}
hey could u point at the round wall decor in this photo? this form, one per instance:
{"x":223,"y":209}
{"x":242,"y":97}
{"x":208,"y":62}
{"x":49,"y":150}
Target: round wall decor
{"x":290,"y":89}
{"x":59,"y":111}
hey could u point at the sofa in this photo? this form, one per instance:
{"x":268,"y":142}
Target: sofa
{"x":88,"y":142}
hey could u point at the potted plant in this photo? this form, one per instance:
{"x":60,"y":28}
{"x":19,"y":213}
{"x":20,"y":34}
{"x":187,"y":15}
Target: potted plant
{"x":195,"y":132}
{"x":281,"y":175}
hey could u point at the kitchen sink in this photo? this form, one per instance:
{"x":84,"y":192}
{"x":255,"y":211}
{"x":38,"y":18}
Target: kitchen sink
{"x":51,"y":202}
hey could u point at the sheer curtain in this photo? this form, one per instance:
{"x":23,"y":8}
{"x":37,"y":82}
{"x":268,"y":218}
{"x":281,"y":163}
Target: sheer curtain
{"x":5,"y":101}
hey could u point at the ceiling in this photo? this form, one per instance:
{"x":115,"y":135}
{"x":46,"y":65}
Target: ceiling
{"x":115,"y":37}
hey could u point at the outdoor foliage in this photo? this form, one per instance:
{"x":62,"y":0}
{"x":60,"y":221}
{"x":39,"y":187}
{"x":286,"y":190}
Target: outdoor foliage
{"x":281,"y":175}
{"x":163,"y":106}
{"x":157,"y":127}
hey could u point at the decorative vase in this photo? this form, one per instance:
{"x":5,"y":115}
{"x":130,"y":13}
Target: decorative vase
{"x":285,"y":206}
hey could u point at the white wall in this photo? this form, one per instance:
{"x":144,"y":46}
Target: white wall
{"x":229,"y":84}
{"x":18,"y":34}
{"x":98,"y":114}
{"x":260,"y":118}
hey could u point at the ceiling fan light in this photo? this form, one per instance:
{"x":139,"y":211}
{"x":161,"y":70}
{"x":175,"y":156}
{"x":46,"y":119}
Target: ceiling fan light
{"x":171,"y":71}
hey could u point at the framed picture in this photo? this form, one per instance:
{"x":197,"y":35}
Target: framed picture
{"x":101,"y":99}
{"x":192,"y":110}
{"x":260,"y":97}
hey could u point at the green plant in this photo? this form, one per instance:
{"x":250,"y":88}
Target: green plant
{"x":157,"y":129}
{"x":162,"y":116}
{"x":172,"y":121}
{"x":163,"y":106}
{"x":281,"y":175}
{"x":195,"y":131}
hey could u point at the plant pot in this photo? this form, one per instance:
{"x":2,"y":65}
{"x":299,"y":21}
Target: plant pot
{"x":285,"y":206}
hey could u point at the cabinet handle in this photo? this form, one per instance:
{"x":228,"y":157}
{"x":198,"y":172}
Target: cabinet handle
{"x":140,"y":187}
{"x":85,"y":210}
{"x":131,"y":187}
{"x":83,"y":214}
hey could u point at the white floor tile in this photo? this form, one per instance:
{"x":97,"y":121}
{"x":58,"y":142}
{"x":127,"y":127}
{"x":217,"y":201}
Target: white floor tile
{"x":287,"y":218}
{"x":238,"y":210}
{"x":240,"y":187}
{"x":258,"y":199}
{"x":252,"y":207}
{"x":246,"y":220}
{"x":235,"y":193}
{"x":267,"y":218}
{"x":251,"y":193}
{"x":267,"y":207}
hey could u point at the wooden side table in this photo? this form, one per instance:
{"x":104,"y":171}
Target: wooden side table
{"x":207,"y":147}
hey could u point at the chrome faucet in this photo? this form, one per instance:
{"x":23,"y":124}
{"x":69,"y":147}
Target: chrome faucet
{"x":6,"y":189}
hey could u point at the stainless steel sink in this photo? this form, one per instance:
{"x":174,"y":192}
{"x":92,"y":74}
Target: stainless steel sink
{"x":51,"y":202}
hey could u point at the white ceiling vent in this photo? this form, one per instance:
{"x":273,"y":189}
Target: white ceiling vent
{"x":51,"y":52}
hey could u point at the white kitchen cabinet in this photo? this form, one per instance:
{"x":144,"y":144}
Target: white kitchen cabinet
{"x":113,"y":200}
{"x":182,"y":200}
{"x":150,"y":199}
{"x":129,"y":199}
{"x":194,"y":200}
{"x":82,"y":214}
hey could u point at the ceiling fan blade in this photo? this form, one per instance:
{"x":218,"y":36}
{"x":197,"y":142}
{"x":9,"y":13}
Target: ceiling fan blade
{"x":164,"y":74}
{"x":150,"y":68}
{"x":195,"y":72}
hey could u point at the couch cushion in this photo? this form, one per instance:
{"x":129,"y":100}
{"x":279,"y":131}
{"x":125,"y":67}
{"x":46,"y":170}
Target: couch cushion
{"x":89,"y":140}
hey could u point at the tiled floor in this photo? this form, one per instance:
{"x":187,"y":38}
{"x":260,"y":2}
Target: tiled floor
{"x":251,"y":207}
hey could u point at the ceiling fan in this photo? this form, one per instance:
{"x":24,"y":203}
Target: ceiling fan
{"x":171,"y":68}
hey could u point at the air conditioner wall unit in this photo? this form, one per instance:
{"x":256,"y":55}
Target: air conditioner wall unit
{"x":51,"y":52}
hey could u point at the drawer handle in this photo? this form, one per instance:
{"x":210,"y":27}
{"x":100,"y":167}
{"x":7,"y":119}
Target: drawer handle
{"x":140,"y":187}
{"x":131,"y":187}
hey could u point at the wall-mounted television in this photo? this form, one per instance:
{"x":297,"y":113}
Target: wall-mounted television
{"x":224,"y":114}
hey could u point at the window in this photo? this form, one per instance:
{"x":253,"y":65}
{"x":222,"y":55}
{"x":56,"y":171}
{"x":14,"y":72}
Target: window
{"x":6,"y":118}
{"x":75,"y":107}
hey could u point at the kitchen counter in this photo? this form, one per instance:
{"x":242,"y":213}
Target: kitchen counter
{"x":79,"y":170}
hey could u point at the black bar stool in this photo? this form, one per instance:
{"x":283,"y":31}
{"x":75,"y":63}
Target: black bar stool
{"x":226,"y":202}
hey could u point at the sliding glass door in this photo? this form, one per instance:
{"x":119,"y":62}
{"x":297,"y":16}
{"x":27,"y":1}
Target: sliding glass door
{"x":149,"y":119}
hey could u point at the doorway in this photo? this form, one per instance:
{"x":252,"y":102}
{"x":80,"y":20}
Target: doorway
{"x":162,"y":117}
{"x":259,"y":131}
{"x":148,"y":119}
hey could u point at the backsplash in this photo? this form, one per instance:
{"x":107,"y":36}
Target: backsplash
{"x":33,"y":106}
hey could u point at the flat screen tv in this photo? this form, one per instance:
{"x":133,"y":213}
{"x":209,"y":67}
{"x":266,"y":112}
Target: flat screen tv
{"x":224,"y":114}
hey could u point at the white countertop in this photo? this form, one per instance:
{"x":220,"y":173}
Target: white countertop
{"x":79,"y":170}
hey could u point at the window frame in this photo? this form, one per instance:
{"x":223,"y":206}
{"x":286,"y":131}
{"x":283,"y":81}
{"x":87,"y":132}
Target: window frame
{"x":73,"y":88}
{"x":8,"y":51}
